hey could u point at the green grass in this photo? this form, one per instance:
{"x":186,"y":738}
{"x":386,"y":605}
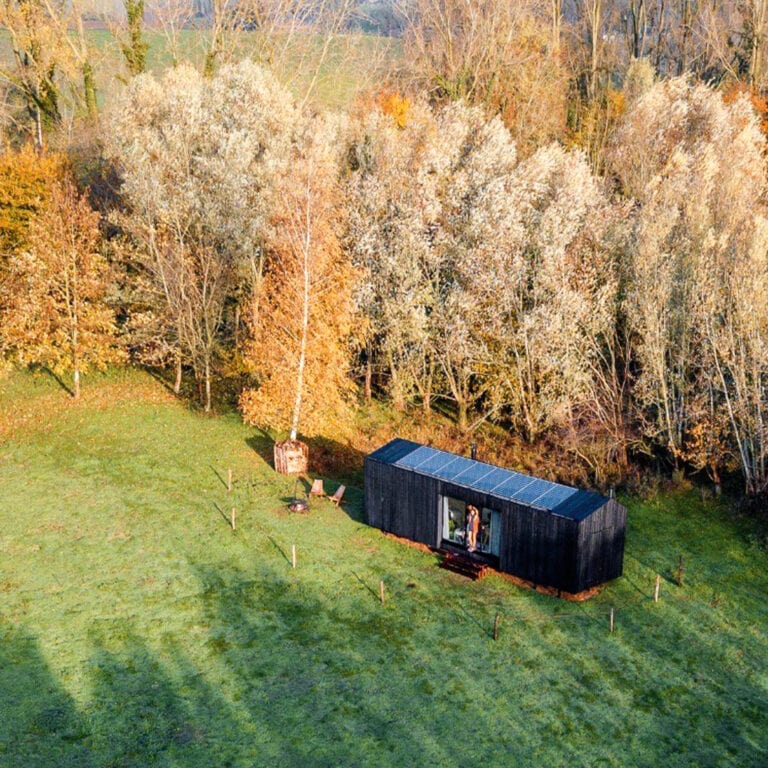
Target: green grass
{"x":137,"y":629}
{"x":353,"y":63}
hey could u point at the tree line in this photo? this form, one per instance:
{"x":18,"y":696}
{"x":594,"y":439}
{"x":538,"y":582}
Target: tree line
{"x":434,"y":244}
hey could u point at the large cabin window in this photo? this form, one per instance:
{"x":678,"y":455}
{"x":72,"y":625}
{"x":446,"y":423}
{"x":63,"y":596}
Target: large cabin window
{"x":455,"y":526}
{"x":490,"y":531}
{"x":454,"y":520}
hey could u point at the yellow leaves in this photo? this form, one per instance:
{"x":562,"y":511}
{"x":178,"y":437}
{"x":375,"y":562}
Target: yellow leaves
{"x":298,"y":352}
{"x":615,"y":103}
{"x":25,"y":187}
{"x":55,"y":312}
{"x":398,"y":107}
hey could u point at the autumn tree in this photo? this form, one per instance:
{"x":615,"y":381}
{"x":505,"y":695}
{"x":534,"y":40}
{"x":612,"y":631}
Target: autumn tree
{"x":736,"y":333}
{"x":133,"y":46}
{"x":302,"y":321}
{"x":408,"y":195}
{"x":25,"y":181}
{"x":36,"y":45}
{"x":498,"y":55}
{"x":392,"y":213}
{"x":53,"y":68}
{"x":693,"y":165}
{"x":198,"y":172}
{"x":471,"y":155}
{"x":74,"y":51}
{"x":25,"y":187}
{"x":487,"y":282}
{"x":544,"y":288}
{"x":55,"y":311}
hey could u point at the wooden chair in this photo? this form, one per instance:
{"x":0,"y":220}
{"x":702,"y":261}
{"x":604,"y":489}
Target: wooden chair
{"x":336,"y":498}
{"x":317,"y":488}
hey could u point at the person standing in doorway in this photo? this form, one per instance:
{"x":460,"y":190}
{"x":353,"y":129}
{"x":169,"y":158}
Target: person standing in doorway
{"x":473,"y":526}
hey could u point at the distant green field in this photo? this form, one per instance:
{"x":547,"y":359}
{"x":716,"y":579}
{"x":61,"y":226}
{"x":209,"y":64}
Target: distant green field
{"x":333,"y":77}
{"x":137,"y":629}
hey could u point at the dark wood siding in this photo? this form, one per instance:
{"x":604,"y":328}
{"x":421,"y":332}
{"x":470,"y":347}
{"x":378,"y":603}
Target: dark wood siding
{"x":600,"y":545}
{"x":538,"y":546}
{"x":534,"y":544}
{"x":402,"y":502}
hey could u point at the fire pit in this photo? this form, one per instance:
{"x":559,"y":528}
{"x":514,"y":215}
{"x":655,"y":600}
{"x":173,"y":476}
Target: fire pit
{"x":298,"y":505}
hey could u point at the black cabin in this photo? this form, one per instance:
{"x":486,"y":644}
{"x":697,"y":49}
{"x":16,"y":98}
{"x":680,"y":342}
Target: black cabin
{"x":544,"y":532}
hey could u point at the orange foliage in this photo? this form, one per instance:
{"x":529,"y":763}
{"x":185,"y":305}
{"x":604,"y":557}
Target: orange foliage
{"x":302,"y":319}
{"x":395,"y":105}
{"x":759,"y":102}
{"x":55,"y":311}
{"x":25,"y":187}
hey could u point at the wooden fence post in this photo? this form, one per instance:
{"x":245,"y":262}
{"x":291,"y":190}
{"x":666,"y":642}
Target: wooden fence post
{"x":679,"y":575}
{"x":381,"y":591}
{"x":232,"y":518}
{"x":656,"y":589}
{"x":611,"y":620}
{"x":293,"y":555}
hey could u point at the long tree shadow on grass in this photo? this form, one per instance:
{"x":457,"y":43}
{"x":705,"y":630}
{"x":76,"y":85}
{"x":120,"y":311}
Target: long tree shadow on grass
{"x":338,"y":679}
{"x":332,"y":458}
{"x":152,"y":712}
{"x":316,"y":677}
{"x":327,"y":458}
{"x":40,"y":725}
{"x":263,"y":446}
{"x":53,"y":375}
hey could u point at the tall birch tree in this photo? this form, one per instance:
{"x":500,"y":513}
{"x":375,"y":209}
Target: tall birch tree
{"x":300,"y":328}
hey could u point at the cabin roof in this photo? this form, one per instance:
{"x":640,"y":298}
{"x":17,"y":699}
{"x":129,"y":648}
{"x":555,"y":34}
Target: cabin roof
{"x":561,"y":500}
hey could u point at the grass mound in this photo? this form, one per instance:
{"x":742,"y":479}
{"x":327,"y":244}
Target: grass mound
{"x":137,"y":628}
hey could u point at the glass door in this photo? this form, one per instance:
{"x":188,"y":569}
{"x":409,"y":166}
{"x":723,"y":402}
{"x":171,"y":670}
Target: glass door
{"x":454,"y":520}
{"x":489,"y":536}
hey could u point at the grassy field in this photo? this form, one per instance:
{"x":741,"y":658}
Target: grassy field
{"x":137,"y":629}
{"x":353,"y":63}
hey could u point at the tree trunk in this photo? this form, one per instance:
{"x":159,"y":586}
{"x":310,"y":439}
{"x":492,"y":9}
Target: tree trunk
{"x":557,"y":18}
{"x":207,"y":385}
{"x":304,"y":334}
{"x":462,"y":415}
{"x":38,"y":131}
{"x":75,"y":362}
{"x":177,"y":382}
{"x":368,"y":379}
{"x":89,"y":91}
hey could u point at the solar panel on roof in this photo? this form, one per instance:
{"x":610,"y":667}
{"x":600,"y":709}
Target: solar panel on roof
{"x":489,"y":481}
{"x":454,"y":469}
{"x":513,"y":484}
{"x":557,"y":494}
{"x":436,"y":462}
{"x":531,"y":493}
{"x":474,"y":473}
{"x":496,"y":481}
{"x":414,"y":459}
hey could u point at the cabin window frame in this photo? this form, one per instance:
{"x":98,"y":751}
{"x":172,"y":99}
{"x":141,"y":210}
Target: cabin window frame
{"x":454,"y":510}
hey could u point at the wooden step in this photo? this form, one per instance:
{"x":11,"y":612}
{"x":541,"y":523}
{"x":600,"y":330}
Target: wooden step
{"x":463,"y":565}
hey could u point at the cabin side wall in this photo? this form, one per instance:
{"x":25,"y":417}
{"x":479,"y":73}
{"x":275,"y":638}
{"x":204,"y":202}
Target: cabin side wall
{"x":535,"y":545}
{"x":538,"y":546}
{"x":601,"y":545}
{"x":402,"y":502}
